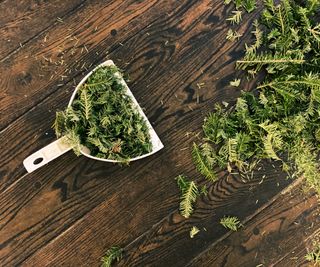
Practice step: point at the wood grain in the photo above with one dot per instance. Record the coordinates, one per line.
(276, 236)
(127, 220)
(34, 126)
(71, 211)
(23, 21)
(169, 244)
(20, 203)
(57, 56)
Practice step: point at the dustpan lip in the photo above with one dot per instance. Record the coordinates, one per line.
(155, 140)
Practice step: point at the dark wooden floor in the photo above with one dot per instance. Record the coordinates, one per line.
(71, 211)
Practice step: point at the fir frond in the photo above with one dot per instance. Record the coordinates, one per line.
(204, 160)
(86, 102)
(313, 255)
(181, 182)
(268, 143)
(188, 199)
(73, 140)
(308, 81)
(315, 32)
(305, 157)
(232, 149)
(189, 193)
(213, 127)
(59, 123)
(233, 35)
(258, 34)
(249, 5)
(231, 222)
(113, 254)
(313, 6)
(251, 60)
(194, 231)
(236, 17)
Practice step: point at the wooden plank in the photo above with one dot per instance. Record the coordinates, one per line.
(167, 243)
(271, 237)
(35, 126)
(21, 21)
(55, 57)
(160, 71)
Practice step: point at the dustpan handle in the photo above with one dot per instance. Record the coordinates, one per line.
(46, 154)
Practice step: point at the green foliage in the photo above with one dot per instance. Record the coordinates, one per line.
(113, 254)
(230, 222)
(233, 35)
(189, 193)
(236, 17)
(313, 256)
(248, 5)
(194, 231)
(103, 119)
(204, 160)
(280, 119)
(258, 34)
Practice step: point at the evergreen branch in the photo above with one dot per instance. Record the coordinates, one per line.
(232, 149)
(59, 123)
(271, 61)
(189, 193)
(112, 254)
(236, 18)
(233, 35)
(249, 5)
(314, 254)
(86, 102)
(307, 80)
(194, 231)
(269, 147)
(231, 222)
(258, 39)
(281, 19)
(204, 160)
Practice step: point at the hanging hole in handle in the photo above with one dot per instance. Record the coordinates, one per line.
(37, 161)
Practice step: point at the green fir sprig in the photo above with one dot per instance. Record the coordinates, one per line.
(230, 222)
(113, 254)
(189, 194)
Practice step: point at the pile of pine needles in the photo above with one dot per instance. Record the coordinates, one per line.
(280, 118)
(103, 119)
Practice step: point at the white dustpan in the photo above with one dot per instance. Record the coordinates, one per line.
(60, 146)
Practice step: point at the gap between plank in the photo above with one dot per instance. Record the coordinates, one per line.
(295, 183)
